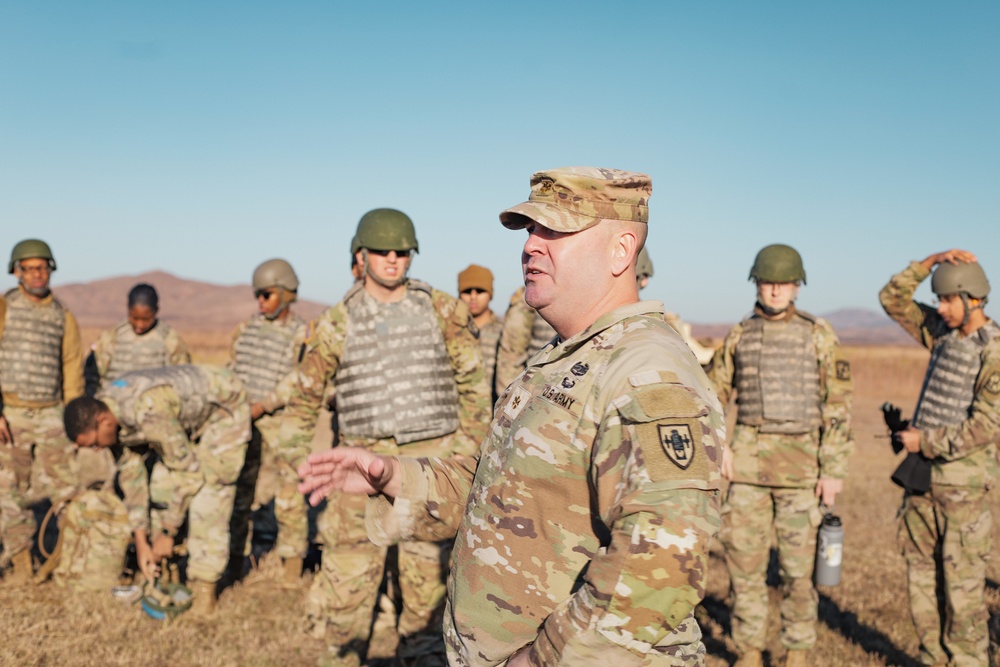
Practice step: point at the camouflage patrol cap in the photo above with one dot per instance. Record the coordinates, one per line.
(958, 278)
(778, 263)
(31, 249)
(571, 199)
(643, 265)
(475, 277)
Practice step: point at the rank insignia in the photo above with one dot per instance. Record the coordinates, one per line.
(677, 443)
(580, 369)
(516, 403)
(843, 370)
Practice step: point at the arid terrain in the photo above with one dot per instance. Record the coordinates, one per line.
(863, 621)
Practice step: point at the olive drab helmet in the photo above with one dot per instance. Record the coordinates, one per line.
(31, 249)
(778, 263)
(275, 273)
(385, 229)
(962, 278)
(643, 265)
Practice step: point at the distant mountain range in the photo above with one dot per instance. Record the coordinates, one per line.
(191, 305)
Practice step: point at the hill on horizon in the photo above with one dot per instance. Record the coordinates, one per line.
(196, 306)
(187, 305)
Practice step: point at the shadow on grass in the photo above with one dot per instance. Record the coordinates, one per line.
(845, 622)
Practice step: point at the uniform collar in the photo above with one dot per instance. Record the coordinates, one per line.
(606, 321)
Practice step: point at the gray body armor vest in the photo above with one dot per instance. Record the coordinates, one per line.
(949, 385)
(31, 349)
(777, 376)
(131, 352)
(265, 354)
(189, 382)
(542, 334)
(395, 378)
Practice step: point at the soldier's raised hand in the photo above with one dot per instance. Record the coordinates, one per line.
(348, 469)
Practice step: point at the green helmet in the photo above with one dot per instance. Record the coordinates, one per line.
(968, 278)
(385, 229)
(778, 263)
(643, 265)
(31, 249)
(275, 273)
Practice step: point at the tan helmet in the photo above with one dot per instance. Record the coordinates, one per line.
(31, 249)
(778, 263)
(968, 278)
(275, 273)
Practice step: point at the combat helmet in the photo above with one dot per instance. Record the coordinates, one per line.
(275, 273)
(385, 229)
(961, 278)
(31, 249)
(643, 265)
(778, 263)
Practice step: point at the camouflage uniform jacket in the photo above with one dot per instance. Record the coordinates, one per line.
(71, 363)
(520, 339)
(157, 419)
(583, 526)
(321, 360)
(792, 460)
(961, 454)
(175, 350)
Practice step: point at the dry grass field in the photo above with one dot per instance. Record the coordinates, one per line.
(864, 621)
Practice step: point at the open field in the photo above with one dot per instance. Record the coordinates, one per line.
(864, 621)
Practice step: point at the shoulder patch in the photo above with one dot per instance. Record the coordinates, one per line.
(993, 383)
(843, 370)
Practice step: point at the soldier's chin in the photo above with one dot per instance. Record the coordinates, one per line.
(388, 284)
(37, 291)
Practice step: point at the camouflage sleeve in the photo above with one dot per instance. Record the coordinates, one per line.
(982, 428)
(515, 337)
(661, 517)
(156, 417)
(72, 360)
(722, 369)
(178, 353)
(918, 319)
(466, 357)
(836, 391)
(319, 363)
(430, 505)
(135, 488)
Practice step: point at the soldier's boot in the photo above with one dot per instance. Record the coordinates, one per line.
(797, 659)
(751, 658)
(293, 572)
(22, 568)
(204, 603)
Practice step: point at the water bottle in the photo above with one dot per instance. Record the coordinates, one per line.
(829, 551)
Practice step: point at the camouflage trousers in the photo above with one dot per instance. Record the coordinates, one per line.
(749, 517)
(341, 603)
(278, 480)
(220, 453)
(946, 537)
(40, 464)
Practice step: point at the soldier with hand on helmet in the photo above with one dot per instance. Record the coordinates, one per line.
(264, 352)
(409, 379)
(945, 534)
(788, 453)
(41, 367)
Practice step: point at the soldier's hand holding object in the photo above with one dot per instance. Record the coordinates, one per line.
(163, 547)
(147, 562)
(910, 437)
(5, 438)
(827, 490)
(348, 469)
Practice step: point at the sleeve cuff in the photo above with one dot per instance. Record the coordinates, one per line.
(389, 522)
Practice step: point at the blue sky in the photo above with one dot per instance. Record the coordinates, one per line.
(202, 138)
